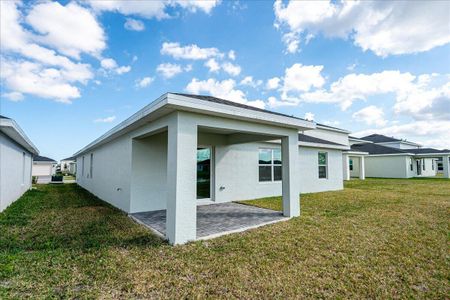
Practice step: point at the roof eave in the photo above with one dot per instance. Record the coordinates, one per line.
(184, 103)
(13, 130)
(319, 145)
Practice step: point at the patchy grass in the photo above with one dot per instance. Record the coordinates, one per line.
(376, 239)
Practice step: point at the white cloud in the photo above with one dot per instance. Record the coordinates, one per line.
(309, 116)
(194, 5)
(300, 78)
(108, 63)
(37, 70)
(144, 82)
(13, 96)
(371, 115)
(273, 83)
(249, 81)
(297, 79)
(231, 69)
(232, 55)
(274, 102)
(193, 51)
(413, 94)
(431, 133)
(70, 29)
(105, 120)
(134, 25)
(225, 89)
(123, 69)
(26, 77)
(386, 27)
(212, 65)
(169, 70)
(145, 9)
(151, 9)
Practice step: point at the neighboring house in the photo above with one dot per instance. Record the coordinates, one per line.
(394, 158)
(68, 165)
(354, 161)
(182, 150)
(43, 169)
(16, 156)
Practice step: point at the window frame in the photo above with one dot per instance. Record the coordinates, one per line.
(272, 165)
(23, 167)
(91, 165)
(82, 166)
(423, 164)
(350, 164)
(322, 165)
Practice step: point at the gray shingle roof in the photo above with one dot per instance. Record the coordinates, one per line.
(427, 150)
(379, 149)
(235, 104)
(43, 158)
(379, 138)
(3, 117)
(309, 139)
(376, 149)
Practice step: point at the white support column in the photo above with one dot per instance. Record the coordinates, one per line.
(446, 167)
(362, 173)
(290, 182)
(346, 167)
(181, 213)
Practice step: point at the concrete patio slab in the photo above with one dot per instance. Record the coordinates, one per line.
(215, 219)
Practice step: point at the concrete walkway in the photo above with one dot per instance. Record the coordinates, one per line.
(216, 219)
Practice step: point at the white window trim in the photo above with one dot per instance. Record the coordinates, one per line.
(82, 166)
(325, 165)
(271, 165)
(91, 165)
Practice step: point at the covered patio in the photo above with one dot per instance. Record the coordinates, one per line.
(206, 152)
(215, 219)
(354, 165)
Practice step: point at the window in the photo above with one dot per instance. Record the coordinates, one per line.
(269, 165)
(82, 166)
(423, 164)
(91, 165)
(411, 164)
(323, 162)
(23, 167)
(351, 165)
(432, 165)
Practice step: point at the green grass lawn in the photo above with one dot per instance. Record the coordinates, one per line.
(376, 239)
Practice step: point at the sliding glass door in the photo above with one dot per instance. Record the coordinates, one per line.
(204, 157)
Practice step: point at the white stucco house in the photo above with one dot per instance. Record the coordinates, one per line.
(43, 169)
(181, 151)
(68, 165)
(16, 156)
(389, 157)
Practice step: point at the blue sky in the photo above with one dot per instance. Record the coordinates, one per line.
(70, 71)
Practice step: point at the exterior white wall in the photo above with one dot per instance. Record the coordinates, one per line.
(309, 171)
(387, 166)
(130, 172)
(42, 169)
(429, 171)
(149, 173)
(329, 135)
(110, 180)
(15, 172)
(356, 166)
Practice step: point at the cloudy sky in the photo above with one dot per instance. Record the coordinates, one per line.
(71, 70)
